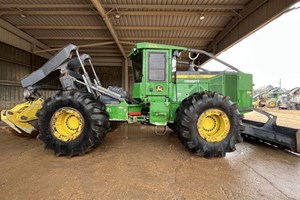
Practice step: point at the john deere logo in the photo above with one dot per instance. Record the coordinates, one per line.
(159, 88)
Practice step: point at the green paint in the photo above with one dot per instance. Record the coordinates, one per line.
(160, 90)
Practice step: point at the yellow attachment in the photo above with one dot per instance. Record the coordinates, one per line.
(213, 125)
(67, 124)
(19, 116)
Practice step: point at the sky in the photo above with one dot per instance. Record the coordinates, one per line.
(271, 54)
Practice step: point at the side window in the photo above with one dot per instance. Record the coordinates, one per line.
(137, 64)
(157, 66)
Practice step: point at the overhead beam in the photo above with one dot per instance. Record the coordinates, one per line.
(89, 46)
(109, 25)
(79, 46)
(90, 51)
(38, 27)
(108, 59)
(36, 44)
(72, 38)
(21, 34)
(128, 6)
(103, 64)
(32, 5)
(180, 7)
(171, 28)
(165, 39)
(49, 12)
(146, 28)
(128, 38)
(176, 13)
(122, 13)
(112, 49)
(106, 55)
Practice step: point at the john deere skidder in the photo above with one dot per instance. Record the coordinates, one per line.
(204, 107)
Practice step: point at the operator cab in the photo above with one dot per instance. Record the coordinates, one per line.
(154, 66)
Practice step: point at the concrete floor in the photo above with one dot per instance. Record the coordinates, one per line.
(145, 166)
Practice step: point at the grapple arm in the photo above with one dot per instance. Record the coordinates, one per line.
(22, 116)
(51, 65)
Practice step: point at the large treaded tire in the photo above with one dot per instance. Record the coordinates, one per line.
(96, 123)
(186, 123)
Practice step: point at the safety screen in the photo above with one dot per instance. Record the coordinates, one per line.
(157, 66)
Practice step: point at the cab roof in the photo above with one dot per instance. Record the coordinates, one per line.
(148, 45)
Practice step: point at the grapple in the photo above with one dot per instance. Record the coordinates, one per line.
(22, 117)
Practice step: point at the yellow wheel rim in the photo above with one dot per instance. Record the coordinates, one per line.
(272, 104)
(213, 125)
(67, 124)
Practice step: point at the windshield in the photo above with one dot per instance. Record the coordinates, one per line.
(137, 64)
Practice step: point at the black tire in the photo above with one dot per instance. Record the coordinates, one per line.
(92, 113)
(186, 122)
(261, 104)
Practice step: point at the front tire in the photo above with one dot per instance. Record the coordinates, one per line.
(209, 124)
(72, 123)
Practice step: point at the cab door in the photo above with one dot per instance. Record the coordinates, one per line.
(157, 74)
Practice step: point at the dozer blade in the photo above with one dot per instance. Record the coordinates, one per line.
(21, 117)
(288, 138)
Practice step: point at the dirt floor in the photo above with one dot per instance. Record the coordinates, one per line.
(141, 165)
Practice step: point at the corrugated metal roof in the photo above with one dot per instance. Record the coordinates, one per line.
(56, 22)
(44, 2)
(16, 20)
(181, 21)
(69, 33)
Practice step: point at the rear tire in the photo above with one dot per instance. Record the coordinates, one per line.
(72, 123)
(209, 124)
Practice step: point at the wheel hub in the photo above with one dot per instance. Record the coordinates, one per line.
(67, 124)
(213, 125)
(272, 104)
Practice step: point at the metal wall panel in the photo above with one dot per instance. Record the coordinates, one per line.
(14, 40)
(14, 65)
(110, 76)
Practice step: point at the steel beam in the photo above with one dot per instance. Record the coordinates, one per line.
(109, 25)
(10, 28)
(79, 46)
(103, 64)
(122, 13)
(126, 78)
(128, 6)
(175, 7)
(175, 13)
(127, 38)
(147, 28)
(72, 38)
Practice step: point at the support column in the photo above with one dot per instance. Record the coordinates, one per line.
(126, 80)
